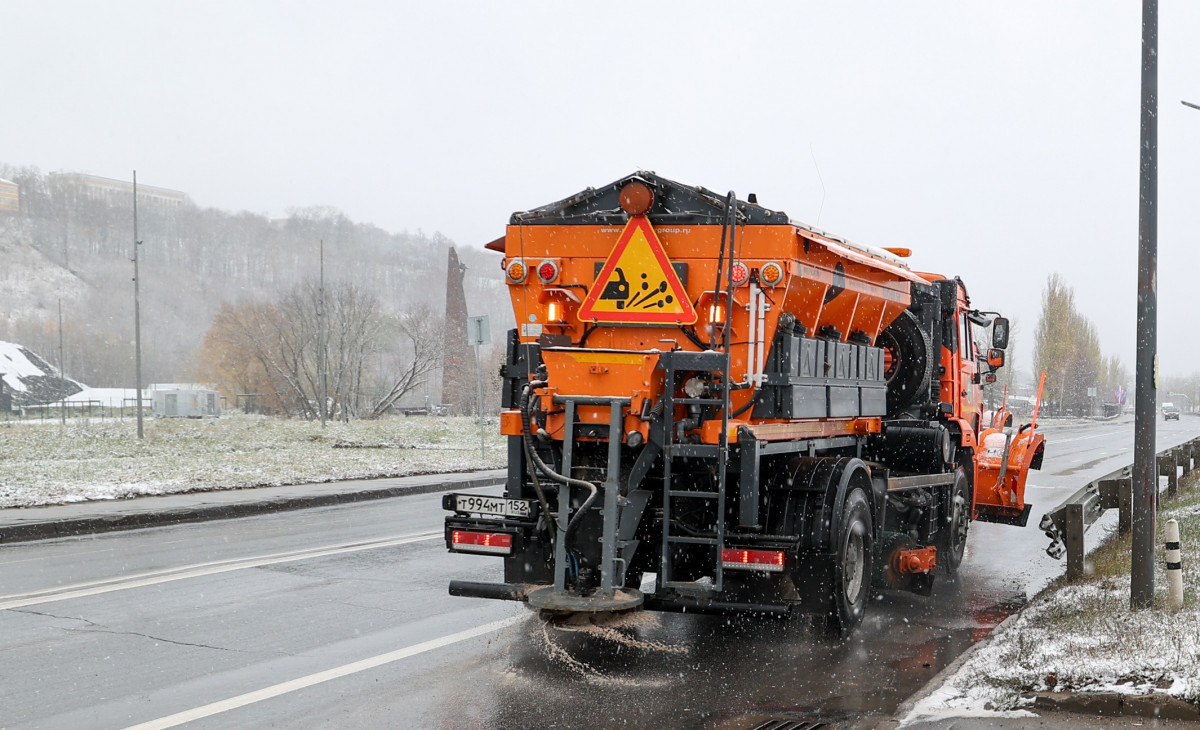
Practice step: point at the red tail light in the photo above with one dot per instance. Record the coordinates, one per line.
(547, 271)
(738, 559)
(497, 543)
(740, 273)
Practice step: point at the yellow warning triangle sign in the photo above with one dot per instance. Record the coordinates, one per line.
(637, 284)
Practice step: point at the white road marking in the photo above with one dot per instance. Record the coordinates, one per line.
(1080, 438)
(138, 580)
(300, 683)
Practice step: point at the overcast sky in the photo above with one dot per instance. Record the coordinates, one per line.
(997, 140)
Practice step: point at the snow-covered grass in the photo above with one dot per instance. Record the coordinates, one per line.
(1081, 635)
(47, 463)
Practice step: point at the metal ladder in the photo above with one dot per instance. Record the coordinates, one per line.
(710, 361)
(673, 494)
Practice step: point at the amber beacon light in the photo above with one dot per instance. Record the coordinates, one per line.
(636, 198)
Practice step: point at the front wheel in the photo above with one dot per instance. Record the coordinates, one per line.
(852, 565)
(954, 544)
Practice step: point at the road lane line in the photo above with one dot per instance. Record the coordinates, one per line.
(199, 570)
(310, 680)
(1081, 438)
(227, 561)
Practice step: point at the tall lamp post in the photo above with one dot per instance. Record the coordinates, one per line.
(137, 311)
(1145, 473)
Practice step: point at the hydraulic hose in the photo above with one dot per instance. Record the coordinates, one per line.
(539, 465)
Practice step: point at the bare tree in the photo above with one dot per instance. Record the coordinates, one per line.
(417, 352)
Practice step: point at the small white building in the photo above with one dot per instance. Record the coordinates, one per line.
(185, 402)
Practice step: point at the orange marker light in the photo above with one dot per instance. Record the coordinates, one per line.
(516, 271)
(771, 274)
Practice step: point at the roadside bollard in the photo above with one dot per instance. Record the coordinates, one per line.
(1174, 567)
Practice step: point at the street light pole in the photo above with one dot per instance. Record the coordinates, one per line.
(1145, 472)
(62, 367)
(322, 346)
(137, 312)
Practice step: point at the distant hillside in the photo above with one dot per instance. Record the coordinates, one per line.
(74, 241)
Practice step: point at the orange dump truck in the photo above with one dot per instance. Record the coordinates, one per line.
(713, 408)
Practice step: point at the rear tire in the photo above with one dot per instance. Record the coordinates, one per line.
(852, 565)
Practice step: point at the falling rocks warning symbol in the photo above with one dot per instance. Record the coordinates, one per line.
(637, 285)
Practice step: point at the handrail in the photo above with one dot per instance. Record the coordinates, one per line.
(1066, 524)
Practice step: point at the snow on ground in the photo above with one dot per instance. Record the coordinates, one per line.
(1082, 637)
(108, 397)
(46, 463)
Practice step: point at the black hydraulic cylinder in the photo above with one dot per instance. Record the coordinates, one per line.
(498, 591)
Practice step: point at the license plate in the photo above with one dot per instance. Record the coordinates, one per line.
(500, 506)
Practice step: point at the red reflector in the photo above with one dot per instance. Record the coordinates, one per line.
(482, 542)
(740, 274)
(768, 560)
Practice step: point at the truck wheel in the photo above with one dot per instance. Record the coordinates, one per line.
(955, 543)
(908, 366)
(852, 565)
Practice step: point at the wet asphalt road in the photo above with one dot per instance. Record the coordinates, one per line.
(338, 617)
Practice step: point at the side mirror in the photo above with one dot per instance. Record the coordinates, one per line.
(995, 358)
(989, 378)
(999, 333)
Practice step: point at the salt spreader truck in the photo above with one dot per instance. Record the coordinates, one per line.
(713, 408)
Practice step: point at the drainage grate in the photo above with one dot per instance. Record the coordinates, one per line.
(779, 724)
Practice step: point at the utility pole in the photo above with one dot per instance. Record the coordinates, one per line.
(1145, 472)
(478, 333)
(321, 347)
(62, 368)
(137, 312)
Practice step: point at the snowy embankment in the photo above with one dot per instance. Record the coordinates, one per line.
(1081, 636)
(46, 463)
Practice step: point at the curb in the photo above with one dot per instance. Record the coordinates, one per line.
(1113, 704)
(204, 513)
(940, 678)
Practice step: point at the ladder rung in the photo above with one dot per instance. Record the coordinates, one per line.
(708, 450)
(701, 495)
(689, 586)
(708, 360)
(693, 540)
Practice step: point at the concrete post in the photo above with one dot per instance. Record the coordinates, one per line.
(1174, 567)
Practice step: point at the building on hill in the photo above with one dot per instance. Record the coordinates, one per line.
(10, 196)
(118, 192)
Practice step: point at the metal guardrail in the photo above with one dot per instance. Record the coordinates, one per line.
(1066, 524)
